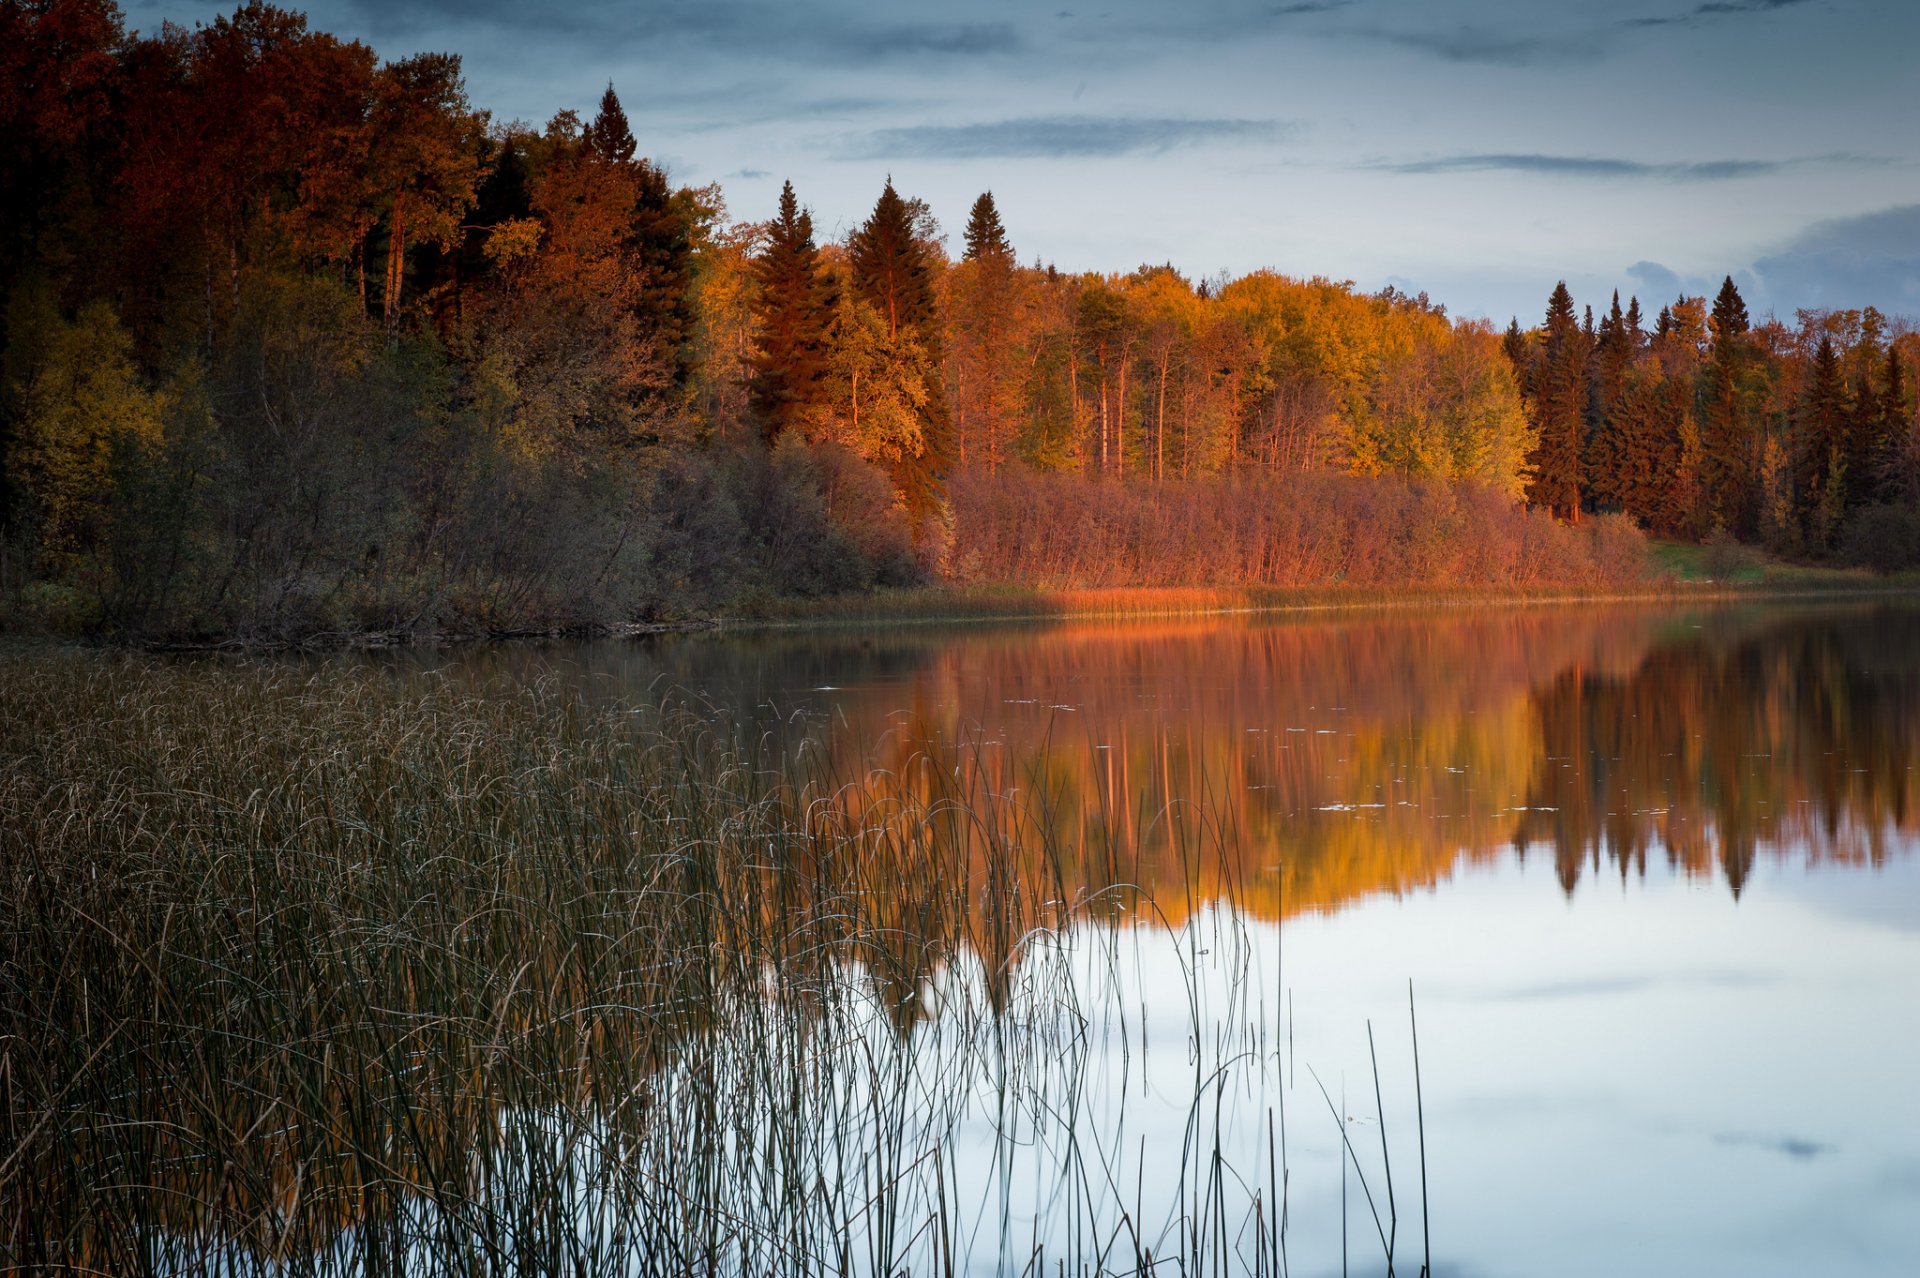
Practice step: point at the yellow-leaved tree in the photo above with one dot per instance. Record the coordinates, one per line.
(83, 414)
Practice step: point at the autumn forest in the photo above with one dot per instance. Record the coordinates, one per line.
(298, 341)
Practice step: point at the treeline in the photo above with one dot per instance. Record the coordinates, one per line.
(298, 340)
(1800, 437)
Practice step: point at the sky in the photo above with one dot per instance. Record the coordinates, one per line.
(1478, 150)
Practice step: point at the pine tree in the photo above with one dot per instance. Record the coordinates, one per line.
(609, 139)
(891, 272)
(1613, 357)
(983, 369)
(795, 312)
(1821, 452)
(1559, 410)
(663, 253)
(1726, 438)
(655, 243)
(1890, 429)
(986, 237)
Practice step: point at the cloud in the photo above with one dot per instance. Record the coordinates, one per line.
(1714, 9)
(749, 175)
(839, 34)
(1656, 279)
(1601, 166)
(1057, 136)
(1869, 259)
(1310, 6)
(1470, 44)
(1798, 1148)
(966, 38)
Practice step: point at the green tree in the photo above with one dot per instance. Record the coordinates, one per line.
(794, 313)
(891, 270)
(1821, 474)
(1727, 432)
(1558, 407)
(985, 236)
(984, 381)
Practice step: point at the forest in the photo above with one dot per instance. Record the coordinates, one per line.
(299, 342)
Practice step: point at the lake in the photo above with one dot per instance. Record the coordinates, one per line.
(1637, 884)
(1651, 874)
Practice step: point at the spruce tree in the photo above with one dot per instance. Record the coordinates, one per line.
(656, 243)
(1613, 357)
(984, 368)
(986, 237)
(609, 139)
(795, 313)
(1821, 448)
(1890, 429)
(1726, 436)
(891, 272)
(1559, 410)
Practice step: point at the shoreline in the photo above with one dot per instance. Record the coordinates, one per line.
(964, 606)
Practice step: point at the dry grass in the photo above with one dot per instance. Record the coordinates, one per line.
(311, 970)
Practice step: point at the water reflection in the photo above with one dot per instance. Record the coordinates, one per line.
(998, 974)
(1355, 756)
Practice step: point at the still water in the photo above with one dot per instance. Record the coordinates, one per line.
(1648, 875)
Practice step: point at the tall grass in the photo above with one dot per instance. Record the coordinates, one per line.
(327, 971)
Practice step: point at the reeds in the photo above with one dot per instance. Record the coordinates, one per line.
(323, 970)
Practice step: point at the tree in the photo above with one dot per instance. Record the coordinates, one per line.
(1559, 410)
(985, 237)
(1822, 446)
(794, 313)
(984, 378)
(1726, 434)
(82, 407)
(426, 151)
(890, 270)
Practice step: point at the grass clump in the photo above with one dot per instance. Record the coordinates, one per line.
(321, 970)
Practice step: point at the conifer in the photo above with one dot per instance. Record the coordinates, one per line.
(1559, 410)
(892, 273)
(795, 311)
(1726, 436)
(1821, 451)
(986, 237)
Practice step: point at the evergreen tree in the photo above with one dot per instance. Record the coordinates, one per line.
(1821, 473)
(609, 139)
(1890, 429)
(1559, 410)
(984, 370)
(1726, 437)
(986, 237)
(892, 273)
(795, 311)
(1613, 358)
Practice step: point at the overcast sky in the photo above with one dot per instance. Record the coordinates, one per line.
(1477, 149)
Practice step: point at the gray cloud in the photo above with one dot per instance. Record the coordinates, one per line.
(1657, 280)
(1715, 9)
(1056, 136)
(1470, 44)
(1870, 259)
(1798, 1148)
(1310, 6)
(1601, 166)
(846, 35)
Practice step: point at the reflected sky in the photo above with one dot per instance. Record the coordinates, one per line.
(1650, 872)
